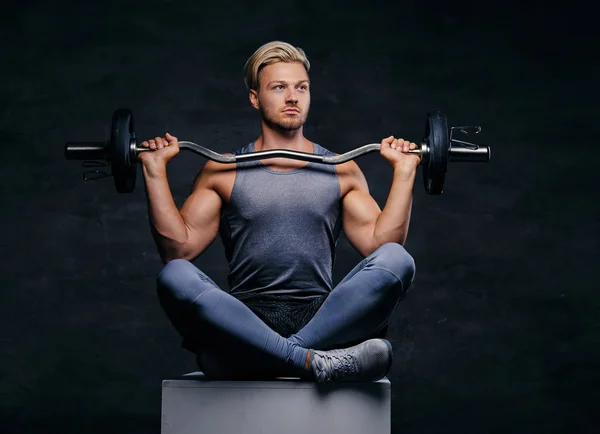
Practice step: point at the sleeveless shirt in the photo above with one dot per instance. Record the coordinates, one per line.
(279, 231)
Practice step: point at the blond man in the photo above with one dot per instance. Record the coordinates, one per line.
(279, 220)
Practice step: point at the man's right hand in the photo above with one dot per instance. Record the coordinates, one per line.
(162, 150)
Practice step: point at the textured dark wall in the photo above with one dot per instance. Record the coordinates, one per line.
(500, 332)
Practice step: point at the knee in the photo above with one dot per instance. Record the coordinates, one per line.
(175, 280)
(396, 259)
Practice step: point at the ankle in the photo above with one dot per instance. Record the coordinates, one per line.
(309, 357)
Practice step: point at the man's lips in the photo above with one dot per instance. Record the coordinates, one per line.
(291, 111)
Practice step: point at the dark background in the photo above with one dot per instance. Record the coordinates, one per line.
(500, 332)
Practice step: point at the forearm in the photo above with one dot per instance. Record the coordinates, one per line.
(393, 222)
(167, 225)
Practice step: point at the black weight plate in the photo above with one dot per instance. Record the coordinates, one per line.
(124, 168)
(436, 136)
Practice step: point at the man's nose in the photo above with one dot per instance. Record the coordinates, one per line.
(292, 96)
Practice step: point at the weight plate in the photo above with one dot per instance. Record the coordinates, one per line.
(436, 137)
(124, 168)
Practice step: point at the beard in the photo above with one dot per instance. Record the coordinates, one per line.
(282, 122)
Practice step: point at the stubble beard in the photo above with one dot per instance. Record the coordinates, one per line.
(281, 122)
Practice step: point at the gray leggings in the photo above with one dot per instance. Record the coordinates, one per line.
(233, 342)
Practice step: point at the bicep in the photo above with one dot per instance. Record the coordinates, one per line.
(201, 213)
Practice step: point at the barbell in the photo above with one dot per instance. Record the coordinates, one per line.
(438, 148)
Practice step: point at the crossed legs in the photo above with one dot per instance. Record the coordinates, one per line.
(232, 342)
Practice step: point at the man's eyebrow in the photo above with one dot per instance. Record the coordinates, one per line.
(283, 81)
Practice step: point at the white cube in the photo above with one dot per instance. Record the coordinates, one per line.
(193, 404)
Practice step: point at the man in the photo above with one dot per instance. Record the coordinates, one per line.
(279, 220)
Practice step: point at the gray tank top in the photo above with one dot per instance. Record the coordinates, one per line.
(279, 231)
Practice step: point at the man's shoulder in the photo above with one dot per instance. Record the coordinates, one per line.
(347, 168)
(243, 149)
(215, 167)
(322, 150)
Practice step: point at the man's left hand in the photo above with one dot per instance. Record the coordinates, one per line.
(395, 151)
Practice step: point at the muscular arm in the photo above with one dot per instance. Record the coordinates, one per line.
(366, 226)
(184, 233)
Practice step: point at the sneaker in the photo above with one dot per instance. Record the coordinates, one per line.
(367, 361)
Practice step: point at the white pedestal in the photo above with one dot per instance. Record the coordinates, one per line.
(193, 404)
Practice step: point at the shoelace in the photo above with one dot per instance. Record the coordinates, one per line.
(339, 364)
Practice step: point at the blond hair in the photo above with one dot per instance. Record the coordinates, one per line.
(269, 53)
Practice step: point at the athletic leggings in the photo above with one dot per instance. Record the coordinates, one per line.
(233, 342)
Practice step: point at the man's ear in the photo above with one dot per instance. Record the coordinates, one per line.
(253, 95)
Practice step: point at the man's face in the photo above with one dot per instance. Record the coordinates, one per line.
(283, 97)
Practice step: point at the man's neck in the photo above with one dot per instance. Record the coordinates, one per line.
(273, 139)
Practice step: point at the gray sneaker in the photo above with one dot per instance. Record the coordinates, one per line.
(368, 361)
